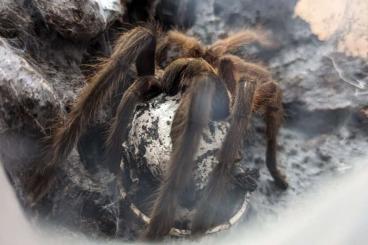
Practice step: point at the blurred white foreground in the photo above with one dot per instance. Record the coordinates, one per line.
(335, 213)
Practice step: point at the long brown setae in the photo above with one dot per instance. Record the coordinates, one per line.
(238, 39)
(141, 90)
(191, 117)
(206, 77)
(209, 210)
(112, 72)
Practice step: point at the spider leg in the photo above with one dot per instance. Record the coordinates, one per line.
(177, 45)
(268, 100)
(178, 75)
(243, 178)
(112, 72)
(226, 72)
(191, 117)
(145, 87)
(239, 39)
(141, 90)
(209, 210)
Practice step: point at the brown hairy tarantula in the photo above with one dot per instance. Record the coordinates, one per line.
(214, 86)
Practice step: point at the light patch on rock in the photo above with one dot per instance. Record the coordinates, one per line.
(110, 9)
(150, 143)
(23, 86)
(344, 22)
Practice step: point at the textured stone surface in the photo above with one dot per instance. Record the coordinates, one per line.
(13, 18)
(24, 91)
(324, 94)
(79, 20)
(324, 97)
(151, 131)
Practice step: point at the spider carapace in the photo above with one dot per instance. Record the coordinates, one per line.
(213, 84)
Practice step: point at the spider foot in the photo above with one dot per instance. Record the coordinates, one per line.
(280, 182)
(245, 179)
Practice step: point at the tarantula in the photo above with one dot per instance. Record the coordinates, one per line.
(213, 85)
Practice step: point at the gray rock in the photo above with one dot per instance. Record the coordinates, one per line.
(111, 10)
(26, 97)
(324, 94)
(79, 20)
(14, 20)
(310, 72)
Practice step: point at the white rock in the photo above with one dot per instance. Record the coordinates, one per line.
(23, 90)
(110, 9)
(150, 143)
